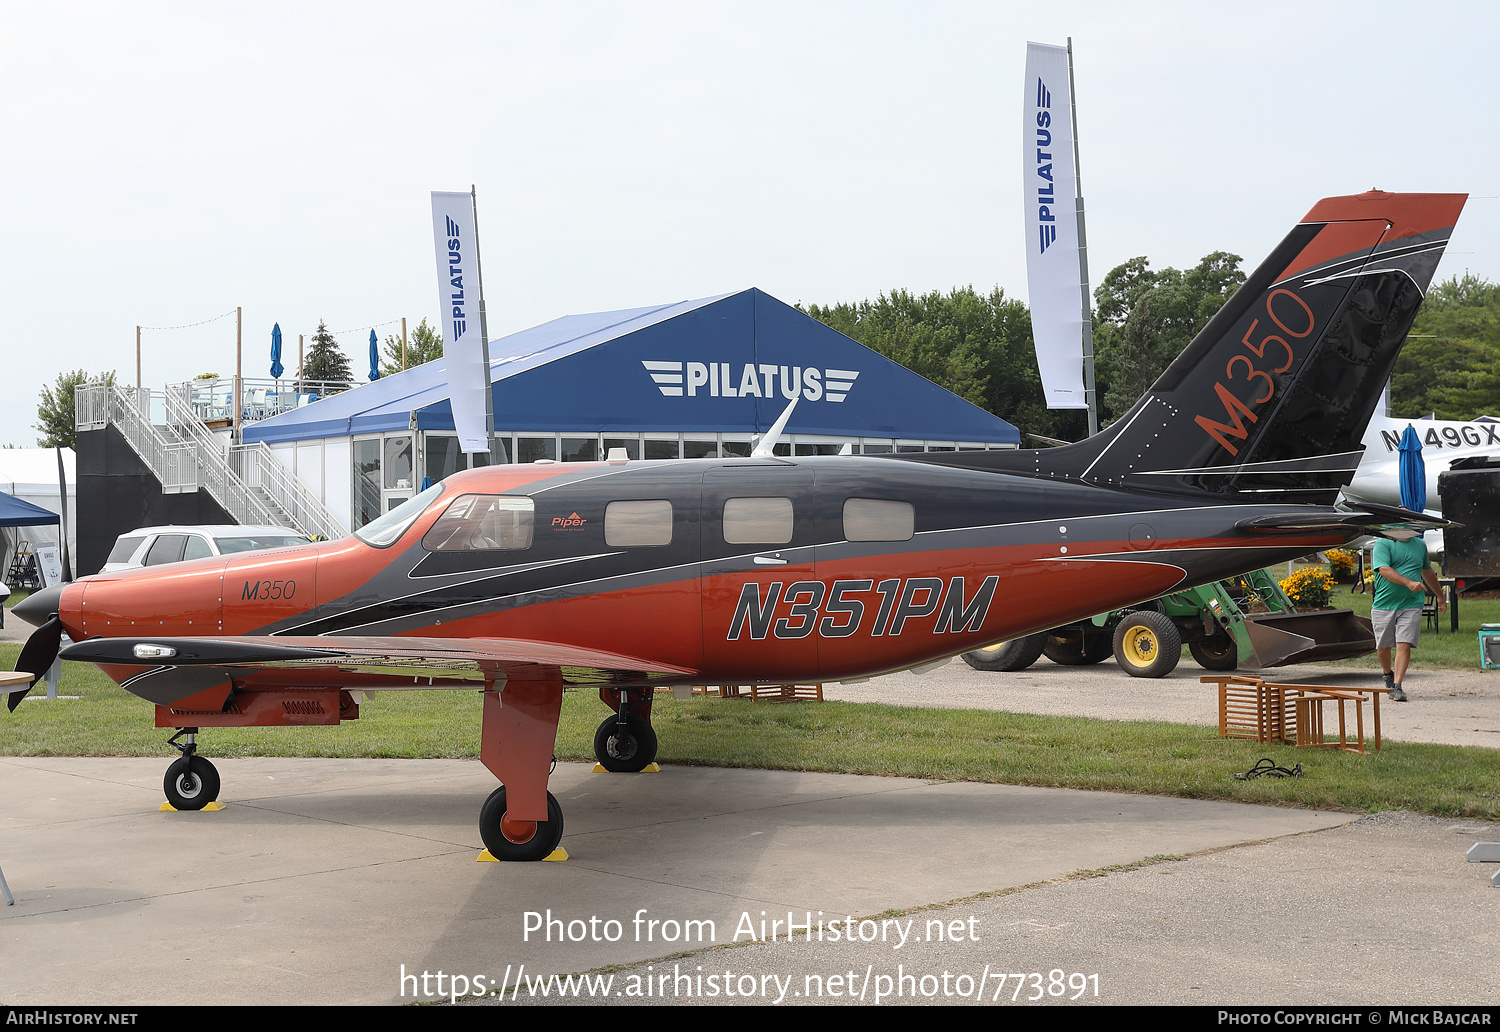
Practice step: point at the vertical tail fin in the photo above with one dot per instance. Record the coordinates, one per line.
(1272, 397)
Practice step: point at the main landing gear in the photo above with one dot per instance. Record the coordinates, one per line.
(508, 838)
(191, 782)
(625, 742)
(521, 820)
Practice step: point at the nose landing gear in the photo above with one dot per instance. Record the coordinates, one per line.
(191, 782)
(625, 742)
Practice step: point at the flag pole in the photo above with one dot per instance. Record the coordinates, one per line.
(1089, 393)
(484, 332)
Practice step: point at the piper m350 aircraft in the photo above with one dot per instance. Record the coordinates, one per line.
(519, 581)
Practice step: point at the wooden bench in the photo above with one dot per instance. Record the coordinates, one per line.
(1266, 711)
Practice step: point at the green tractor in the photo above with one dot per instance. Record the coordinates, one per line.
(1214, 621)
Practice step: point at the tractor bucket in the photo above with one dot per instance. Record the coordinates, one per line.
(1280, 639)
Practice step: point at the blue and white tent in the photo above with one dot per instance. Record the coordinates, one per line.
(727, 364)
(688, 380)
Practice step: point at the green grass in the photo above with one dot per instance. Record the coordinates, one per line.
(948, 745)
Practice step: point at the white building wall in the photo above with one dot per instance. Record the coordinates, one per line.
(338, 483)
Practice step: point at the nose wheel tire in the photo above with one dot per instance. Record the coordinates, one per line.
(191, 783)
(1147, 644)
(626, 750)
(514, 840)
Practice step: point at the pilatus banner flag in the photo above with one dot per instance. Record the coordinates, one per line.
(1052, 269)
(458, 305)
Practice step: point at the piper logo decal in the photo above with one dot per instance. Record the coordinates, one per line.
(572, 522)
(766, 380)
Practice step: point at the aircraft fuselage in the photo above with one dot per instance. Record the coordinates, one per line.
(817, 568)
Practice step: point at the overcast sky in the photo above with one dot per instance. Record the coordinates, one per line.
(165, 163)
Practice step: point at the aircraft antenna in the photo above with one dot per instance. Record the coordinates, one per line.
(767, 447)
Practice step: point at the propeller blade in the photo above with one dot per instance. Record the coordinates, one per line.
(37, 657)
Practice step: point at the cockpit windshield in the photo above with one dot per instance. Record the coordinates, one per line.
(386, 530)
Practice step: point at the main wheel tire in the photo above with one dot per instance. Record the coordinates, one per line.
(1147, 644)
(191, 783)
(626, 752)
(1078, 648)
(537, 839)
(1016, 654)
(1217, 653)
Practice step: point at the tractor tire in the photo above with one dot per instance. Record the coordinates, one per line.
(1147, 644)
(1016, 654)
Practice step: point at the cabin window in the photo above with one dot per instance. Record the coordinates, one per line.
(875, 519)
(758, 521)
(638, 523)
(482, 522)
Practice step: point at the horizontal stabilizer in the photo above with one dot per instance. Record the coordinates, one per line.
(1369, 517)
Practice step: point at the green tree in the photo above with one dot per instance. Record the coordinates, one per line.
(976, 345)
(1143, 320)
(423, 345)
(325, 361)
(1450, 364)
(55, 410)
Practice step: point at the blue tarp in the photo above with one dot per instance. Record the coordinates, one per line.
(16, 513)
(728, 364)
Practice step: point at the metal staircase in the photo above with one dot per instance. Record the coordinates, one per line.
(247, 480)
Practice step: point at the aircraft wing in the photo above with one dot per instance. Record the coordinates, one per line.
(171, 669)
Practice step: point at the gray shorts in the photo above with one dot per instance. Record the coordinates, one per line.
(1395, 625)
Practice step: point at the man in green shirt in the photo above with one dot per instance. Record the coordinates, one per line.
(1403, 575)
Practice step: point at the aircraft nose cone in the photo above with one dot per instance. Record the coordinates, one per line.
(36, 609)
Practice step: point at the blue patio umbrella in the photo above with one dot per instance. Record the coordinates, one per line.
(1411, 471)
(374, 357)
(276, 367)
